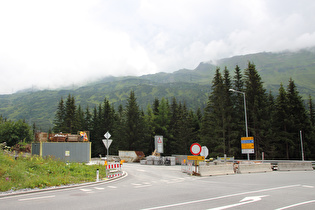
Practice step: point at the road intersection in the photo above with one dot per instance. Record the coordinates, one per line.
(166, 187)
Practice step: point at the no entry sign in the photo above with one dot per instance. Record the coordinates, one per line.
(195, 149)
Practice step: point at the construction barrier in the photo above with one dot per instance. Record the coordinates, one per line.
(295, 166)
(113, 170)
(211, 170)
(254, 168)
(187, 167)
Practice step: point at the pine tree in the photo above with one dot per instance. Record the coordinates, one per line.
(184, 138)
(281, 122)
(70, 114)
(87, 120)
(173, 127)
(98, 147)
(311, 111)
(119, 131)
(311, 140)
(150, 127)
(237, 115)
(79, 119)
(156, 105)
(212, 124)
(299, 121)
(256, 101)
(228, 124)
(133, 122)
(59, 121)
(270, 150)
(162, 121)
(107, 117)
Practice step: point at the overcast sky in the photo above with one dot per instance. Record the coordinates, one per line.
(46, 44)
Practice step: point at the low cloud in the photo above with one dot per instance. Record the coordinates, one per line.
(49, 44)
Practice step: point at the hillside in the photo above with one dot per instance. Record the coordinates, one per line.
(191, 86)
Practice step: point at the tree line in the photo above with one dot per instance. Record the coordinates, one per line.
(275, 122)
(13, 132)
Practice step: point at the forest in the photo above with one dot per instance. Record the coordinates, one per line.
(275, 122)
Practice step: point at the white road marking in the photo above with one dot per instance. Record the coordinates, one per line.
(86, 190)
(244, 201)
(99, 188)
(141, 186)
(307, 186)
(37, 198)
(113, 187)
(297, 204)
(221, 197)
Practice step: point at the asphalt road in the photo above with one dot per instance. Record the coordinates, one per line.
(166, 187)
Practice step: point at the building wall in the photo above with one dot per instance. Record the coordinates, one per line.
(66, 151)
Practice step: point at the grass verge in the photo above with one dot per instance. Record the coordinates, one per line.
(37, 172)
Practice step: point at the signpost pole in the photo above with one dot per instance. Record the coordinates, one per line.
(244, 113)
(107, 150)
(107, 136)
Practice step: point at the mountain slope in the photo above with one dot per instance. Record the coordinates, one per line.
(191, 86)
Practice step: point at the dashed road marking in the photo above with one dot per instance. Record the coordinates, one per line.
(113, 187)
(37, 198)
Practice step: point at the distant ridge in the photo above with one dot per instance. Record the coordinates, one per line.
(191, 86)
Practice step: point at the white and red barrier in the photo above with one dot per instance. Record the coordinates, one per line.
(113, 166)
(113, 170)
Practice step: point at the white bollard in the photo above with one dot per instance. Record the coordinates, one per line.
(97, 175)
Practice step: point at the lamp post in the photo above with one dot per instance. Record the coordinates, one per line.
(232, 90)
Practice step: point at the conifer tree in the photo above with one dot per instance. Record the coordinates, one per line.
(133, 122)
(107, 117)
(298, 121)
(162, 121)
(237, 113)
(150, 127)
(119, 131)
(184, 137)
(173, 126)
(87, 120)
(281, 121)
(98, 147)
(256, 101)
(59, 121)
(311, 111)
(227, 120)
(70, 114)
(79, 119)
(212, 124)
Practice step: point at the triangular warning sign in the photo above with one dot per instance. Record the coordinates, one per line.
(107, 142)
(159, 140)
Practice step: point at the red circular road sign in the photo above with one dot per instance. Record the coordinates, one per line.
(195, 149)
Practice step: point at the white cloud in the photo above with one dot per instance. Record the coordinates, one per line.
(52, 43)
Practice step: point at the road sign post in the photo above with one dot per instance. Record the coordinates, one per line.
(247, 145)
(107, 142)
(159, 144)
(204, 151)
(195, 149)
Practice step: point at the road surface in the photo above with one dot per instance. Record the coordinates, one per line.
(166, 187)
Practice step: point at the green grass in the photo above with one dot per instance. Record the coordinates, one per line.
(37, 172)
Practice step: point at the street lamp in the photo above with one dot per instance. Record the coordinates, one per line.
(232, 90)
